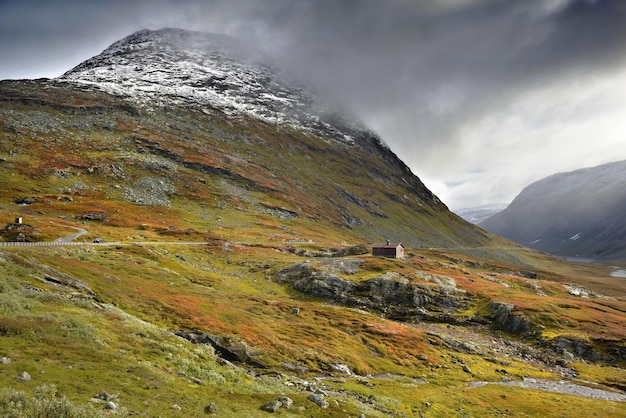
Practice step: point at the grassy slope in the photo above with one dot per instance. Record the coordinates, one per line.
(119, 341)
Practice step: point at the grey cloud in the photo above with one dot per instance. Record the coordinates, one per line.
(435, 71)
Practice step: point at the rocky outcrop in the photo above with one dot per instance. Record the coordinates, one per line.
(397, 296)
(19, 232)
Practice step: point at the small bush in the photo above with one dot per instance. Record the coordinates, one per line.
(46, 403)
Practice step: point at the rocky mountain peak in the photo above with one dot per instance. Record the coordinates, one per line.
(211, 71)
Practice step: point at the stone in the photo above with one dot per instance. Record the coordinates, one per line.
(285, 401)
(318, 399)
(272, 406)
(508, 321)
(176, 407)
(295, 311)
(111, 406)
(104, 396)
(5, 360)
(342, 368)
(277, 403)
(196, 381)
(466, 369)
(210, 408)
(24, 377)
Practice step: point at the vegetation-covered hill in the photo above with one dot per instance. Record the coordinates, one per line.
(232, 276)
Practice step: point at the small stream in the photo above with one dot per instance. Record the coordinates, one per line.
(559, 386)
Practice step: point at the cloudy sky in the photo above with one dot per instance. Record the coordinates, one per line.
(479, 97)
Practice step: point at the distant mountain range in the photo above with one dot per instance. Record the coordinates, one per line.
(478, 214)
(575, 214)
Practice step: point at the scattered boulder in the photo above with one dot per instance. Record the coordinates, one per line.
(24, 377)
(176, 407)
(285, 401)
(196, 381)
(318, 399)
(210, 408)
(272, 406)
(342, 368)
(508, 321)
(112, 406)
(94, 216)
(104, 396)
(295, 311)
(25, 200)
(5, 360)
(150, 191)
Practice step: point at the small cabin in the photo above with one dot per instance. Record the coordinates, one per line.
(19, 220)
(389, 249)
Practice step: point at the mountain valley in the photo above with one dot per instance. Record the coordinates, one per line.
(578, 214)
(222, 264)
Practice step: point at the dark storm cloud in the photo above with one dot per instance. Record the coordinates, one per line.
(424, 73)
(398, 56)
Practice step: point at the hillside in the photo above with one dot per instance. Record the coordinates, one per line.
(575, 214)
(195, 239)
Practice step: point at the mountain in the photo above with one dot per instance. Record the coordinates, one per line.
(478, 214)
(575, 214)
(211, 71)
(186, 230)
(294, 134)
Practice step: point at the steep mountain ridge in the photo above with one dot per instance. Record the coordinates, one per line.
(577, 214)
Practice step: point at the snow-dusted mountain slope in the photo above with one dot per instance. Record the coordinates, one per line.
(212, 71)
(579, 213)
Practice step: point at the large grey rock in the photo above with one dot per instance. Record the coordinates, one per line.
(318, 399)
(272, 406)
(507, 320)
(24, 377)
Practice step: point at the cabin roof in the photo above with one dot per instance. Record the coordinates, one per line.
(388, 244)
